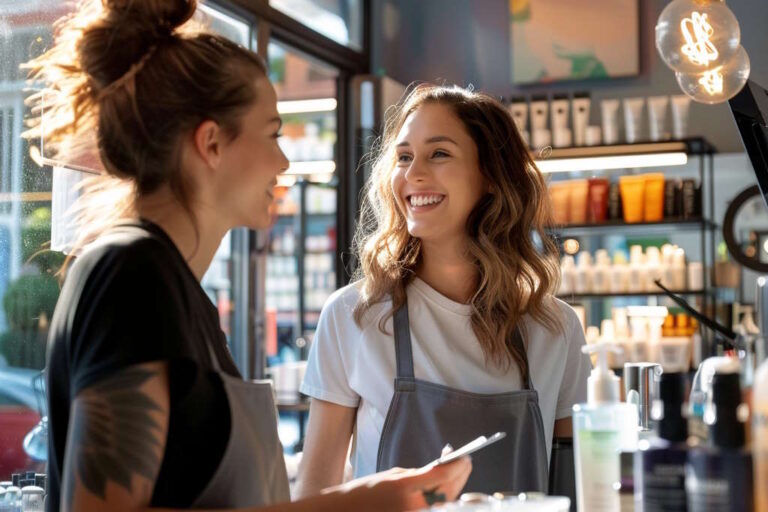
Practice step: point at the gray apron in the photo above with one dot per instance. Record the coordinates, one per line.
(424, 416)
(252, 471)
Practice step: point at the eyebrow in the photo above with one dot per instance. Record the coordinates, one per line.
(432, 140)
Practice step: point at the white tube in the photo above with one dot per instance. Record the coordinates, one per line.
(608, 110)
(519, 111)
(680, 107)
(539, 111)
(580, 107)
(657, 117)
(559, 114)
(633, 119)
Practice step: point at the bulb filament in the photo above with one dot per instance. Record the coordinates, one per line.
(697, 33)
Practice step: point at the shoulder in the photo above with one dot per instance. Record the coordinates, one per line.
(569, 327)
(340, 307)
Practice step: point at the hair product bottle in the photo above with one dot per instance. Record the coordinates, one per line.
(602, 428)
(718, 477)
(661, 475)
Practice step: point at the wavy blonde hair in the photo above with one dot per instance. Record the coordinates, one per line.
(518, 274)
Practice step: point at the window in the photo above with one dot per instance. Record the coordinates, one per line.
(29, 287)
(340, 20)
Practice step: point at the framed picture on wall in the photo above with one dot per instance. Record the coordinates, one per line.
(556, 40)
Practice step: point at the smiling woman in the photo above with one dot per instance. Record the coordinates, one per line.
(455, 202)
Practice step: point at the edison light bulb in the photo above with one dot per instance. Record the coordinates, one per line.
(718, 84)
(693, 36)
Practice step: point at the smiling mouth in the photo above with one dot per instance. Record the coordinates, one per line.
(422, 201)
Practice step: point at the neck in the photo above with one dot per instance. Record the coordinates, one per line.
(196, 239)
(447, 268)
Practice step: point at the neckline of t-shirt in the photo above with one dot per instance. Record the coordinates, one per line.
(439, 299)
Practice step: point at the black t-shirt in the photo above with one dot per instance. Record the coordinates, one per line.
(131, 299)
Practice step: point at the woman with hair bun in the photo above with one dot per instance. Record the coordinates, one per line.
(452, 329)
(146, 407)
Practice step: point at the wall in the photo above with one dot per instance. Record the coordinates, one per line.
(467, 42)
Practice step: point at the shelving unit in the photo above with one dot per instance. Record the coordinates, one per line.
(621, 158)
(297, 309)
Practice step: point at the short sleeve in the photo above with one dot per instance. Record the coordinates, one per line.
(327, 376)
(573, 387)
(131, 311)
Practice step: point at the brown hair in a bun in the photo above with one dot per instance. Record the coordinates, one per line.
(136, 75)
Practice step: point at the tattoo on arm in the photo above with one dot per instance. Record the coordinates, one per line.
(114, 435)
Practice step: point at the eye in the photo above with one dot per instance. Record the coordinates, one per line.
(439, 153)
(403, 158)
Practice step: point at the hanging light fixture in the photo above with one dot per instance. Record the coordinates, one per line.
(701, 41)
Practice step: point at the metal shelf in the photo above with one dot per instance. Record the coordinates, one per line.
(612, 226)
(691, 146)
(600, 296)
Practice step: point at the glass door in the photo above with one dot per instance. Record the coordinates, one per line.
(301, 267)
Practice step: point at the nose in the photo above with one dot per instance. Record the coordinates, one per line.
(284, 163)
(416, 172)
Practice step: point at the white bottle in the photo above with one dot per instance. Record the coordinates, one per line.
(679, 270)
(584, 271)
(637, 270)
(601, 277)
(653, 266)
(619, 274)
(567, 275)
(602, 428)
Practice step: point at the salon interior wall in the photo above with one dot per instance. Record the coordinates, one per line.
(466, 42)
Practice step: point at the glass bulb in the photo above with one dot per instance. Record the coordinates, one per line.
(719, 84)
(693, 36)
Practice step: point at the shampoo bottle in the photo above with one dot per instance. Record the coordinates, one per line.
(661, 475)
(603, 427)
(718, 477)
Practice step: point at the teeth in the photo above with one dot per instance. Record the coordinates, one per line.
(425, 200)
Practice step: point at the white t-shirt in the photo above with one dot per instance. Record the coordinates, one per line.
(355, 367)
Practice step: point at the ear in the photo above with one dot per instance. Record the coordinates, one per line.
(208, 139)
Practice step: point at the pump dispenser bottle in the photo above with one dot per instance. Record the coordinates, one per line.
(718, 478)
(661, 475)
(603, 427)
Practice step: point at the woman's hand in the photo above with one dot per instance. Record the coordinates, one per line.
(407, 489)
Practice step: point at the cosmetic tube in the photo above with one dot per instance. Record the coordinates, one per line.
(654, 198)
(539, 111)
(559, 193)
(597, 208)
(615, 210)
(657, 117)
(580, 109)
(579, 190)
(633, 119)
(559, 112)
(518, 108)
(609, 110)
(632, 197)
(680, 107)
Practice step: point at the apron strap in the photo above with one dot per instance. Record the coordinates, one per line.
(517, 342)
(403, 354)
